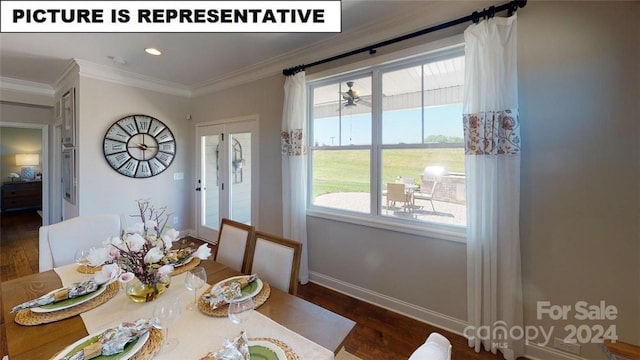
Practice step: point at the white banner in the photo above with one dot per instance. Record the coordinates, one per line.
(171, 16)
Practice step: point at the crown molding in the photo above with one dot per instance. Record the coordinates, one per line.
(106, 73)
(402, 23)
(27, 87)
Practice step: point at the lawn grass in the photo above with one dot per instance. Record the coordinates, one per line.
(349, 170)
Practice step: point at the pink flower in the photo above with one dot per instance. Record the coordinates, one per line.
(125, 277)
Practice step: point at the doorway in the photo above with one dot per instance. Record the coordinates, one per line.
(227, 168)
(44, 162)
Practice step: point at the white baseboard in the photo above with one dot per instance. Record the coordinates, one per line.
(442, 321)
(430, 317)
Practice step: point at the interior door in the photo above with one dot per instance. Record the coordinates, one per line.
(226, 183)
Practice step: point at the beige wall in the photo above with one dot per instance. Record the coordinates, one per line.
(100, 188)
(263, 97)
(579, 75)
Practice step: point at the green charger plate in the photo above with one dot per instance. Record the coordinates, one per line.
(129, 350)
(64, 304)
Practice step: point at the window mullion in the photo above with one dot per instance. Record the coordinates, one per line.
(376, 140)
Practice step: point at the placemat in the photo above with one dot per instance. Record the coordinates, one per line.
(289, 353)
(186, 267)
(30, 318)
(151, 347)
(223, 311)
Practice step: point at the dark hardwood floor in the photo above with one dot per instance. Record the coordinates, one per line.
(378, 334)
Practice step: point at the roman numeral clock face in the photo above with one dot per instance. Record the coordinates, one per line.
(139, 146)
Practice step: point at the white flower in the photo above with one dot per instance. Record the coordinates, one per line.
(169, 237)
(172, 234)
(125, 277)
(203, 252)
(98, 256)
(153, 255)
(165, 270)
(107, 274)
(115, 241)
(134, 242)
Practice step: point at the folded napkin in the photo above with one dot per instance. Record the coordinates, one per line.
(238, 349)
(107, 274)
(227, 291)
(111, 341)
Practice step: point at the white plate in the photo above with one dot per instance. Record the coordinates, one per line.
(65, 304)
(250, 290)
(271, 346)
(128, 352)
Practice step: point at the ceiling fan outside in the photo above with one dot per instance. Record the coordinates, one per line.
(350, 96)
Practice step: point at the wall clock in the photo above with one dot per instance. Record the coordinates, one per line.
(139, 146)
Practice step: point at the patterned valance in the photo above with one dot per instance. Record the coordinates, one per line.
(292, 142)
(492, 133)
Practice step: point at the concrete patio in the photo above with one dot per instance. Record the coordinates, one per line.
(445, 212)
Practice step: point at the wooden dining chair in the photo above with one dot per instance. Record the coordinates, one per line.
(234, 244)
(276, 260)
(59, 242)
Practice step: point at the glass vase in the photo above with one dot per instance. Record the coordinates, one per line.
(141, 292)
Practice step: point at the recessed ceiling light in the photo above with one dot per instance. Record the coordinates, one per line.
(153, 51)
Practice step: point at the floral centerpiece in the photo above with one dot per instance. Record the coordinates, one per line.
(145, 253)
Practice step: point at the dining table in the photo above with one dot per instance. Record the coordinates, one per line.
(306, 326)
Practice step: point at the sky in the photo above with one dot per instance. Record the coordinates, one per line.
(399, 126)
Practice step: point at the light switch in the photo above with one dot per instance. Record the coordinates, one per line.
(178, 176)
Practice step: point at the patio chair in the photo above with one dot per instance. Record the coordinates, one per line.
(424, 195)
(397, 192)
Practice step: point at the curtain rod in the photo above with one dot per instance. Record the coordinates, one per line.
(475, 17)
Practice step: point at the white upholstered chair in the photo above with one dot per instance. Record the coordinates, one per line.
(437, 347)
(59, 242)
(277, 261)
(234, 243)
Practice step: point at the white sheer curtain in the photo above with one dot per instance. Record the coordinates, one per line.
(492, 148)
(294, 166)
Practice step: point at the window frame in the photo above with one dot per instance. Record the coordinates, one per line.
(375, 217)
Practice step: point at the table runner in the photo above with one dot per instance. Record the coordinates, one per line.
(198, 334)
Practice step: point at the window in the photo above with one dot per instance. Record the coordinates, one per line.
(386, 144)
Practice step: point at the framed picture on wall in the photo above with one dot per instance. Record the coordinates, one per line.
(68, 175)
(68, 118)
